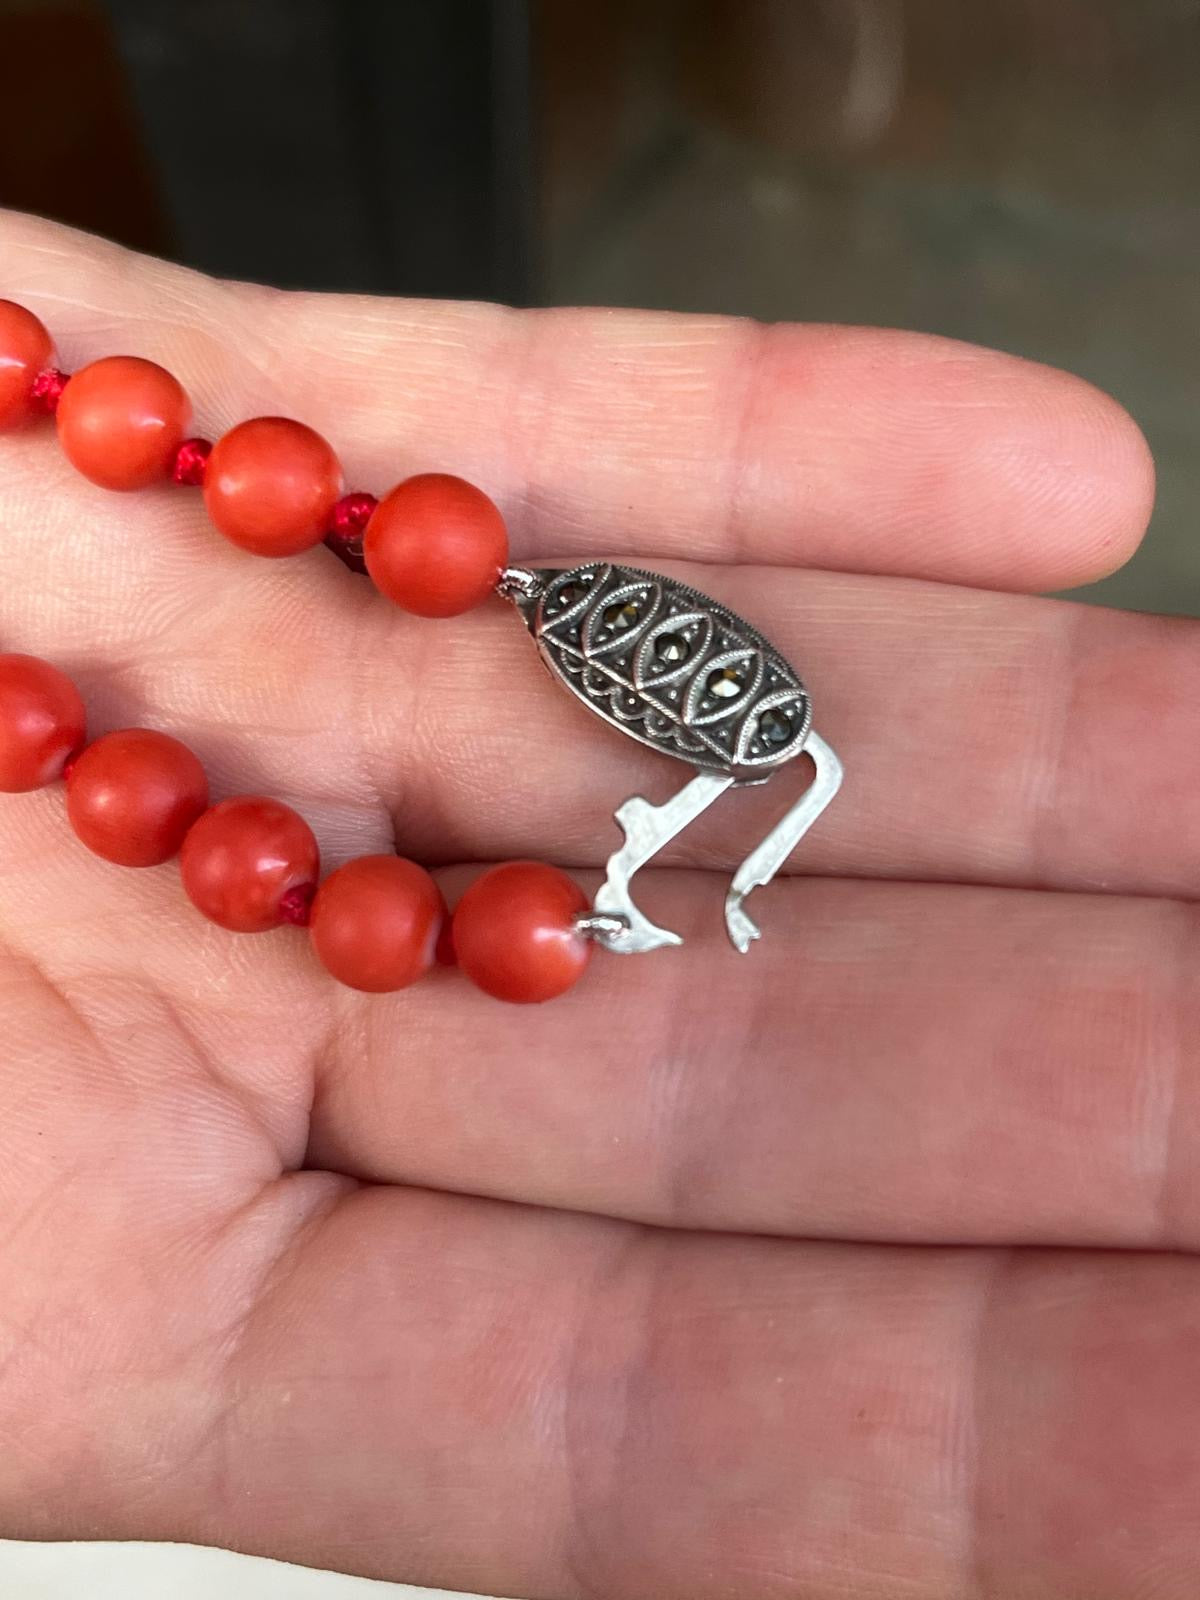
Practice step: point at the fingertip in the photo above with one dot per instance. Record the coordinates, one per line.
(1066, 478)
(851, 449)
(876, 451)
(1116, 489)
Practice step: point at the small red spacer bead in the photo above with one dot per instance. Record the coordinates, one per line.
(70, 764)
(47, 389)
(296, 905)
(352, 513)
(347, 526)
(191, 461)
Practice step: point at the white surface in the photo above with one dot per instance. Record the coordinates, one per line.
(150, 1571)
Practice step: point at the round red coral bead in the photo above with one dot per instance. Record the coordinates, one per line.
(375, 923)
(25, 350)
(121, 421)
(243, 857)
(514, 932)
(270, 486)
(436, 545)
(42, 723)
(133, 795)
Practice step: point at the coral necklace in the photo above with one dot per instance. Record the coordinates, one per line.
(662, 663)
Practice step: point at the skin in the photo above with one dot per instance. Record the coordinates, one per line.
(859, 1268)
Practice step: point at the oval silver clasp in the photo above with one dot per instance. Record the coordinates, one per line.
(683, 674)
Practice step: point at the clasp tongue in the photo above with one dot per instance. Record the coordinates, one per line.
(647, 828)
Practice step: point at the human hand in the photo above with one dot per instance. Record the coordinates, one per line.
(699, 1281)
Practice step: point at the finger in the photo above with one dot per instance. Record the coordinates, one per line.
(455, 1392)
(893, 1062)
(985, 737)
(699, 437)
(898, 1062)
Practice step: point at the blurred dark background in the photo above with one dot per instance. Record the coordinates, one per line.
(1023, 173)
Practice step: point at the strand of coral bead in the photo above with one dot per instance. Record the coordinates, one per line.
(435, 545)
(138, 797)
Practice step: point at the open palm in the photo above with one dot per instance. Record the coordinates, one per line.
(700, 1281)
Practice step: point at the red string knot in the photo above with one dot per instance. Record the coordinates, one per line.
(191, 462)
(48, 387)
(296, 905)
(347, 525)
